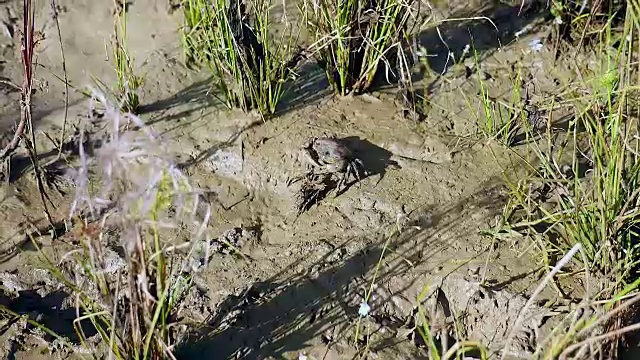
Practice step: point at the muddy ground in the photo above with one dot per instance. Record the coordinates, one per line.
(300, 288)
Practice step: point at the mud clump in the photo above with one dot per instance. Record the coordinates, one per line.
(235, 238)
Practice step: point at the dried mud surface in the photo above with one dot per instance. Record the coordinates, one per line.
(300, 290)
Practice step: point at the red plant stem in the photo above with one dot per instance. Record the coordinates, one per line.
(27, 47)
(27, 69)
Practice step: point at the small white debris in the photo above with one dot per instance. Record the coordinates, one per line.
(364, 309)
(302, 356)
(402, 220)
(536, 45)
(558, 20)
(113, 262)
(465, 50)
(522, 31)
(10, 283)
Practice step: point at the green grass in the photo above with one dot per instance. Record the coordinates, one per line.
(354, 37)
(133, 307)
(597, 209)
(580, 23)
(250, 67)
(583, 225)
(128, 82)
(500, 120)
(594, 214)
(582, 187)
(457, 350)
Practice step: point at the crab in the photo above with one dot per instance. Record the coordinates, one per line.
(330, 156)
(332, 163)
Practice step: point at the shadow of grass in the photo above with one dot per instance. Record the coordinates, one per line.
(486, 29)
(308, 89)
(286, 312)
(47, 311)
(196, 95)
(443, 43)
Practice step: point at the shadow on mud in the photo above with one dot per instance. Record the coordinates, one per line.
(192, 99)
(308, 89)
(287, 312)
(207, 153)
(375, 159)
(46, 311)
(21, 164)
(486, 29)
(490, 28)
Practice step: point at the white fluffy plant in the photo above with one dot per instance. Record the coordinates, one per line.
(138, 198)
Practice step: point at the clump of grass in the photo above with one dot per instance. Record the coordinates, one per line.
(501, 120)
(127, 82)
(586, 331)
(140, 199)
(580, 22)
(232, 40)
(353, 37)
(582, 189)
(590, 330)
(596, 207)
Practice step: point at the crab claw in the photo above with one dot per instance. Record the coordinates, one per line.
(309, 157)
(309, 143)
